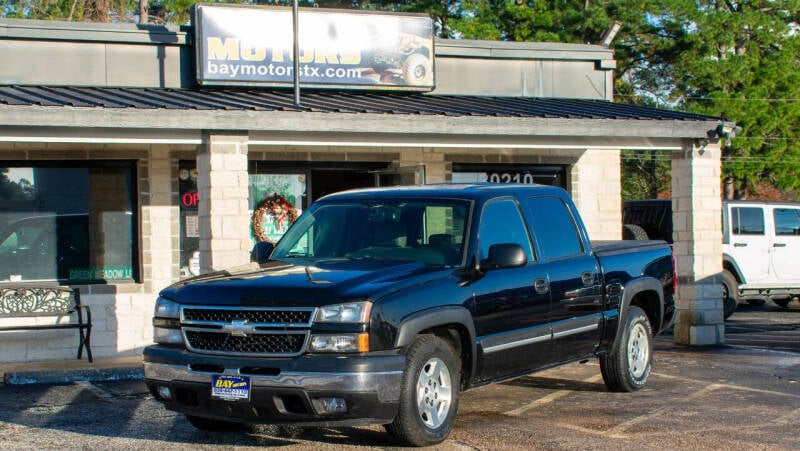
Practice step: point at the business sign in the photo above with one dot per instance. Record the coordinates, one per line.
(246, 45)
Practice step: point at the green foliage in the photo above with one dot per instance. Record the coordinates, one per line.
(737, 60)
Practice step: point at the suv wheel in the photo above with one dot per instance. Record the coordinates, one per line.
(429, 392)
(730, 293)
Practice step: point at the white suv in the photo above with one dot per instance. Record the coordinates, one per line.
(760, 246)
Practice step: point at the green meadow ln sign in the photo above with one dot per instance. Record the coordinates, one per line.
(245, 45)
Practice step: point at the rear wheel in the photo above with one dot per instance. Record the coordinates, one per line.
(429, 393)
(730, 293)
(627, 366)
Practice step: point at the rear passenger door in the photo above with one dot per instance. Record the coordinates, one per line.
(576, 304)
(786, 243)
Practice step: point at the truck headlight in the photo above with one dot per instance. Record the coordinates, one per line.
(351, 312)
(339, 343)
(166, 322)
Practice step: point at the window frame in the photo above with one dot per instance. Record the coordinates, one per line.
(531, 252)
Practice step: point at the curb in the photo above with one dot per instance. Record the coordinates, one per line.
(67, 376)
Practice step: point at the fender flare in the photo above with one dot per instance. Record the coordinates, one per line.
(737, 272)
(416, 323)
(630, 290)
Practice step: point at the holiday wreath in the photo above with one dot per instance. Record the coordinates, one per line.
(281, 211)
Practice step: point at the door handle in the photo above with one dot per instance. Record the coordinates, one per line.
(541, 286)
(739, 244)
(779, 245)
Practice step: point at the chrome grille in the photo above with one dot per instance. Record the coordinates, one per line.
(246, 331)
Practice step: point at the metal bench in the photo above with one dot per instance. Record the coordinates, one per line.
(27, 301)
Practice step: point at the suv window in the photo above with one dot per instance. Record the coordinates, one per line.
(747, 220)
(501, 222)
(787, 221)
(554, 227)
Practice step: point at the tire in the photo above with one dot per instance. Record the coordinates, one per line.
(782, 303)
(207, 424)
(633, 232)
(429, 393)
(730, 293)
(626, 368)
(417, 70)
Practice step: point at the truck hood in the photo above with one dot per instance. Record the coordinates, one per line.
(301, 283)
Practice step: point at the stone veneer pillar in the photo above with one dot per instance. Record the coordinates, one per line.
(697, 232)
(595, 187)
(222, 185)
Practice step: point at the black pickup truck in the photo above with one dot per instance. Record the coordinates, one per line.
(380, 306)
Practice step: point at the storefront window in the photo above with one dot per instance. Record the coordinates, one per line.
(67, 223)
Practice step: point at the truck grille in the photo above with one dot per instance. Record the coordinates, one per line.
(299, 317)
(246, 331)
(257, 344)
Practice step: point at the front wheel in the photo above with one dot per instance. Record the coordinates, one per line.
(627, 366)
(429, 393)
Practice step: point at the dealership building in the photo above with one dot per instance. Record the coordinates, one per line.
(144, 150)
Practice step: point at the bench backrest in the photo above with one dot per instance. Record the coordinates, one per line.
(38, 301)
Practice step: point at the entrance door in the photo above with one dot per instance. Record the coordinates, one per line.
(406, 175)
(329, 181)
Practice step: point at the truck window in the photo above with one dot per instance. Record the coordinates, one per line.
(747, 220)
(501, 222)
(554, 227)
(787, 221)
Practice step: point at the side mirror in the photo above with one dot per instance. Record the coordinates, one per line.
(505, 255)
(261, 251)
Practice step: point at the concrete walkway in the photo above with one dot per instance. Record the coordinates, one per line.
(63, 371)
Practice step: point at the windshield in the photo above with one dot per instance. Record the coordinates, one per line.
(426, 231)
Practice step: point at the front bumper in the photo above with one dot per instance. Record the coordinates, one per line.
(282, 390)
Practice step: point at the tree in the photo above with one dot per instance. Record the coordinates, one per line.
(737, 60)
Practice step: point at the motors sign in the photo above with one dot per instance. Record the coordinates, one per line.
(254, 46)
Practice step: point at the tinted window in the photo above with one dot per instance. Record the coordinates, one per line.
(501, 222)
(67, 223)
(554, 227)
(787, 221)
(427, 231)
(747, 220)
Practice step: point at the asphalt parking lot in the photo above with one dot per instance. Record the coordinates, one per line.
(745, 395)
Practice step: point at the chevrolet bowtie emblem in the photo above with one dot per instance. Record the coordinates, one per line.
(239, 328)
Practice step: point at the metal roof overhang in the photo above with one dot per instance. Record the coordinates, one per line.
(349, 119)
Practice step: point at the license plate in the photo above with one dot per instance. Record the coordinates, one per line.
(230, 388)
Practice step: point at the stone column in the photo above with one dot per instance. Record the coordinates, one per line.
(222, 186)
(595, 187)
(160, 239)
(697, 232)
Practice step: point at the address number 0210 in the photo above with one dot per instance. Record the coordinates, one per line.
(505, 177)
